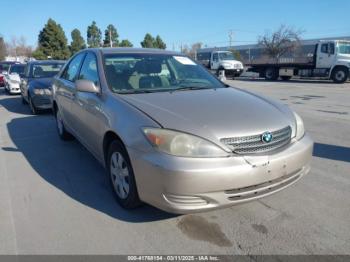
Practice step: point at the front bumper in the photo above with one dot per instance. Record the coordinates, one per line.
(187, 185)
(233, 72)
(42, 101)
(14, 88)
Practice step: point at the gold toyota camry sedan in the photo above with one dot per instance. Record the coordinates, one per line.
(172, 135)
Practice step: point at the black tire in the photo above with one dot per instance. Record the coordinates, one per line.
(132, 199)
(62, 132)
(34, 110)
(340, 75)
(271, 74)
(286, 78)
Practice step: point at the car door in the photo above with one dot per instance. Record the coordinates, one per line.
(86, 107)
(215, 61)
(65, 90)
(326, 55)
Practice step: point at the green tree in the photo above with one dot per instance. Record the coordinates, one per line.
(125, 43)
(52, 42)
(2, 48)
(111, 34)
(93, 35)
(158, 43)
(39, 54)
(148, 41)
(78, 42)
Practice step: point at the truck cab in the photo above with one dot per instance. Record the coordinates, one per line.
(334, 57)
(224, 60)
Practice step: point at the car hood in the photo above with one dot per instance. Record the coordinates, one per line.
(41, 82)
(231, 61)
(14, 77)
(215, 113)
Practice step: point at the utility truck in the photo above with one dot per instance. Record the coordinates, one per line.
(329, 59)
(220, 61)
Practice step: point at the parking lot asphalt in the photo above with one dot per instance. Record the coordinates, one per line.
(55, 198)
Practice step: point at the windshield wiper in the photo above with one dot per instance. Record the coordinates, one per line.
(136, 91)
(182, 88)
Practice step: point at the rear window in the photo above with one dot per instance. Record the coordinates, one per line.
(203, 56)
(4, 67)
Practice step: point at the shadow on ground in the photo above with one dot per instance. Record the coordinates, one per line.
(69, 167)
(339, 153)
(14, 104)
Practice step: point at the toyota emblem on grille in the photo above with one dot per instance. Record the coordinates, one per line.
(266, 137)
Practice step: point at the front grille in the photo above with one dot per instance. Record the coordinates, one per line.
(254, 144)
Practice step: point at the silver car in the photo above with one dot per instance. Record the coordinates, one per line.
(172, 135)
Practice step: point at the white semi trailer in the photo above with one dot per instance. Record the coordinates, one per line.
(327, 59)
(330, 59)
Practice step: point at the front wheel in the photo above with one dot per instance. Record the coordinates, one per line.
(271, 74)
(340, 75)
(122, 176)
(62, 132)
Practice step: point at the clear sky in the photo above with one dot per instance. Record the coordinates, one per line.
(178, 21)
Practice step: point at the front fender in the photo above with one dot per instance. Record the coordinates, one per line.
(345, 63)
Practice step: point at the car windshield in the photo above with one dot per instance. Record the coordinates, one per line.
(18, 69)
(141, 73)
(46, 70)
(344, 48)
(226, 56)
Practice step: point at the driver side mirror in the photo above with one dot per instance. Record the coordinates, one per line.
(87, 86)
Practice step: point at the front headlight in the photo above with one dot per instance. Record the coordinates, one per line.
(41, 91)
(182, 144)
(300, 127)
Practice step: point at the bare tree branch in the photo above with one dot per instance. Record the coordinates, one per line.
(284, 40)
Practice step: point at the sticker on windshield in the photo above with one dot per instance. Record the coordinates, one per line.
(184, 60)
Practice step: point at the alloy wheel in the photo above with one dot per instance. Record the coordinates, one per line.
(119, 175)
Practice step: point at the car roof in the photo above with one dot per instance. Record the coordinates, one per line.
(9, 62)
(131, 50)
(46, 61)
(17, 64)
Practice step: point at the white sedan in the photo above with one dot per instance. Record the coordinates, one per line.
(13, 78)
